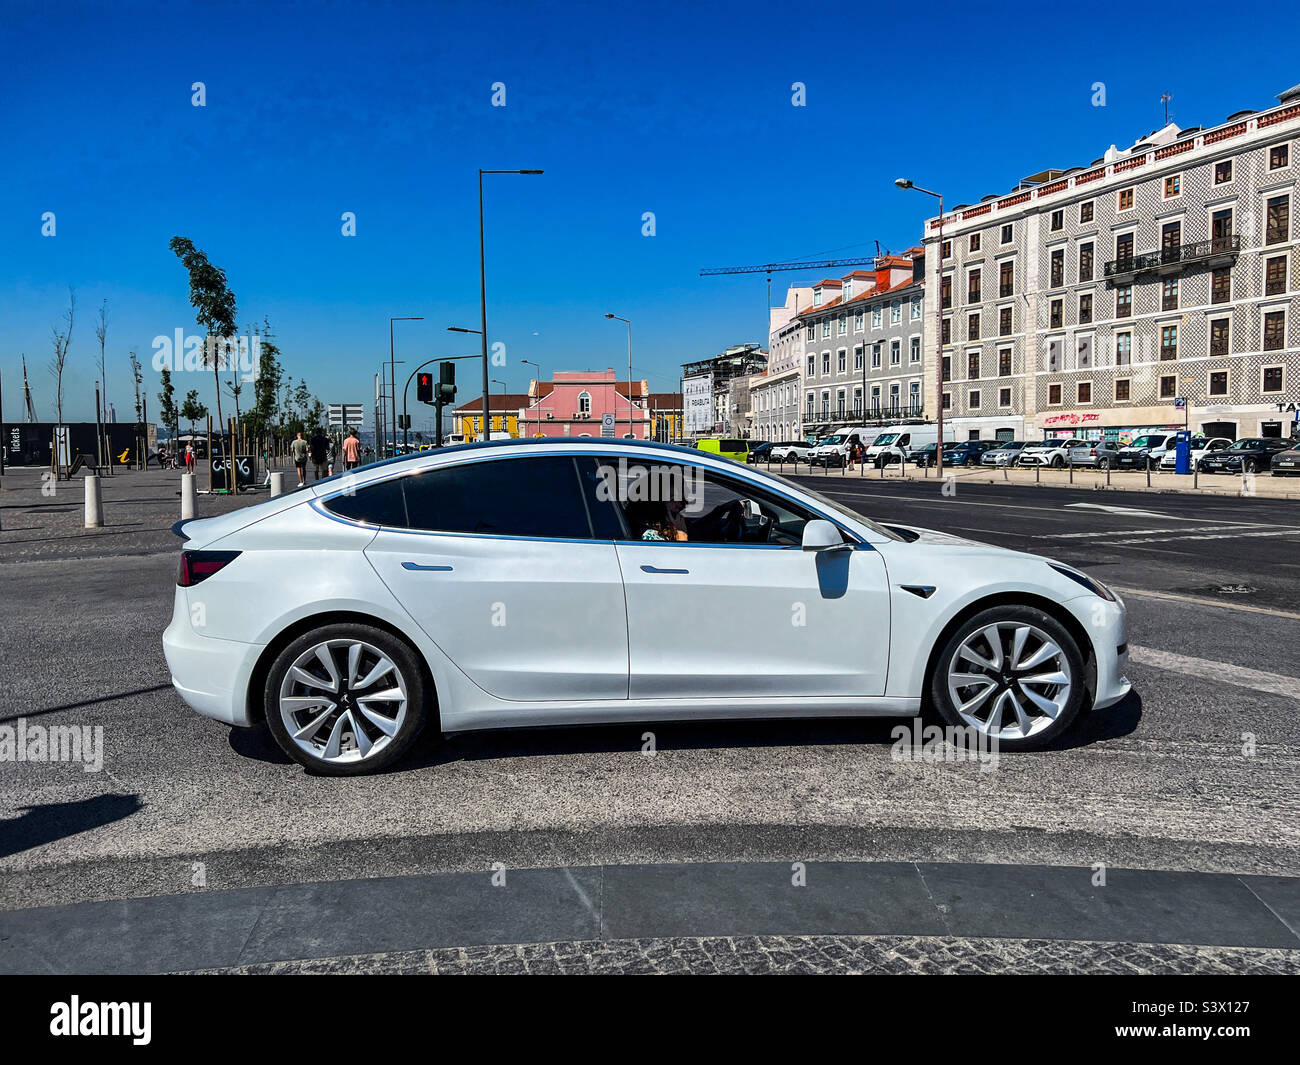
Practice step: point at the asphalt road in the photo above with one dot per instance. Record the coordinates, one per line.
(1158, 782)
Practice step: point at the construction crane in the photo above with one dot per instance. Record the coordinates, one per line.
(775, 268)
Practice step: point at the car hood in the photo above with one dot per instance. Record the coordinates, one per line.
(199, 532)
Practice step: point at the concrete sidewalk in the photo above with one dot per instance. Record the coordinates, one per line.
(1260, 486)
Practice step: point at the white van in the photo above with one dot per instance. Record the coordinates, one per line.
(895, 441)
(836, 448)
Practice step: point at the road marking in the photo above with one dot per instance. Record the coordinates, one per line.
(1197, 600)
(1223, 672)
(1136, 532)
(1116, 510)
(1198, 537)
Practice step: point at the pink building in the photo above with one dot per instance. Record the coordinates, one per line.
(574, 404)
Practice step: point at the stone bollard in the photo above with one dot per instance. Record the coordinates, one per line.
(277, 484)
(94, 502)
(187, 496)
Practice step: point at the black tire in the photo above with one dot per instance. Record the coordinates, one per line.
(1103, 464)
(1249, 466)
(940, 699)
(1057, 462)
(407, 662)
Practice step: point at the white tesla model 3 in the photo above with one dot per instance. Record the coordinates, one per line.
(584, 581)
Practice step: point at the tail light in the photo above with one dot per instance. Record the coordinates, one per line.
(198, 566)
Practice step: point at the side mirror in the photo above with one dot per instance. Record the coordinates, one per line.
(750, 509)
(819, 534)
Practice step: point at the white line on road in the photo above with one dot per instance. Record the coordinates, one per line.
(1197, 600)
(1134, 532)
(1223, 672)
(1116, 510)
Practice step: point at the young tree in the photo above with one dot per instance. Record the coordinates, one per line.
(62, 340)
(167, 412)
(192, 410)
(101, 334)
(214, 306)
(138, 378)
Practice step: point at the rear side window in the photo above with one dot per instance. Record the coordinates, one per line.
(505, 497)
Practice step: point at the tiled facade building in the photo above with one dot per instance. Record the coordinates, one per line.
(1089, 300)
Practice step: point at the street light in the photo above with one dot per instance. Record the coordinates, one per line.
(529, 362)
(482, 296)
(392, 371)
(905, 183)
(629, 370)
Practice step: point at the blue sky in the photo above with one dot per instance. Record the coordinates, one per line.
(680, 109)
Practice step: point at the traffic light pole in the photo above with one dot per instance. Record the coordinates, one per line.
(437, 406)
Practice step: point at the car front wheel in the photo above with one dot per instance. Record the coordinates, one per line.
(345, 699)
(1249, 466)
(1014, 674)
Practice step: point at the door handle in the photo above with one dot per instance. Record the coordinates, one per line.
(656, 569)
(418, 566)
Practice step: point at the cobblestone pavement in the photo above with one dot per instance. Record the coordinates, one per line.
(811, 955)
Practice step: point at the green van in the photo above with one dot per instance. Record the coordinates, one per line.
(727, 447)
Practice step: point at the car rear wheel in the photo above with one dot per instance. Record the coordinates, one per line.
(1249, 466)
(1103, 464)
(1013, 674)
(1057, 462)
(346, 699)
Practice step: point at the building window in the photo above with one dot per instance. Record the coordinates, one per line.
(1278, 223)
(1126, 199)
(914, 396)
(812, 365)
(1123, 301)
(1173, 185)
(1085, 308)
(1219, 336)
(915, 352)
(1221, 285)
(1275, 330)
(1004, 322)
(947, 367)
(1272, 379)
(1223, 172)
(973, 400)
(826, 363)
(1123, 349)
(1085, 262)
(811, 333)
(895, 312)
(876, 348)
(1058, 268)
(1085, 211)
(1121, 391)
(1056, 314)
(826, 328)
(826, 405)
(973, 327)
(974, 242)
(1006, 233)
(1219, 383)
(945, 249)
(1006, 278)
(895, 352)
(1004, 362)
(1058, 221)
(1053, 395)
(1171, 237)
(842, 360)
(875, 317)
(1279, 156)
(844, 324)
(945, 291)
(973, 286)
(1004, 397)
(584, 403)
(839, 405)
(857, 322)
(1168, 387)
(947, 401)
(972, 366)
(811, 408)
(1168, 342)
(1169, 294)
(1275, 275)
(1083, 392)
(916, 308)
(857, 357)
(945, 333)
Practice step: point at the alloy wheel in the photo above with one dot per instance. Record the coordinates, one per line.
(342, 701)
(1009, 680)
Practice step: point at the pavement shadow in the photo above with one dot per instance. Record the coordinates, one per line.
(38, 825)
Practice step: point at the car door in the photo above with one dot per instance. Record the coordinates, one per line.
(740, 610)
(495, 559)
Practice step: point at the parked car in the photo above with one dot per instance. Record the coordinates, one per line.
(1053, 452)
(1145, 452)
(836, 448)
(955, 453)
(891, 444)
(1287, 463)
(759, 453)
(1004, 454)
(728, 448)
(791, 451)
(604, 617)
(1094, 453)
(1200, 446)
(1251, 455)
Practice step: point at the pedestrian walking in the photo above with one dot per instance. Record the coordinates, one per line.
(351, 450)
(319, 449)
(298, 452)
(189, 458)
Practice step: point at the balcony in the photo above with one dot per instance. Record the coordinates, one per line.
(1217, 252)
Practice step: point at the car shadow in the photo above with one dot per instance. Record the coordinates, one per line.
(38, 825)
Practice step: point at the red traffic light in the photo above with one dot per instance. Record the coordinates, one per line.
(424, 388)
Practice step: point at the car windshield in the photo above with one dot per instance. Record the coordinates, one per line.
(836, 439)
(1148, 441)
(1061, 442)
(834, 507)
(1244, 445)
(885, 438)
